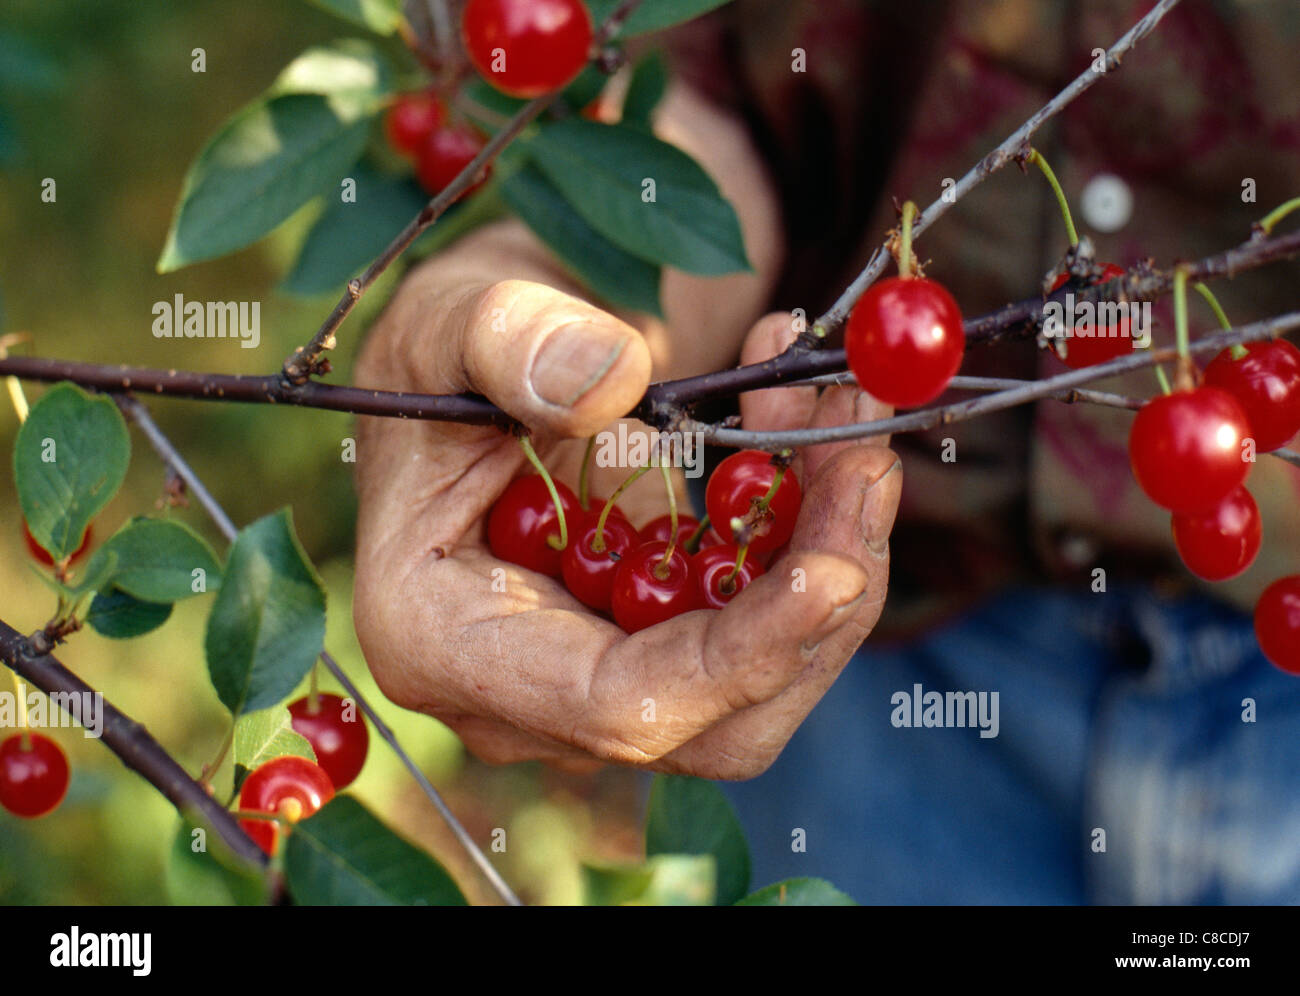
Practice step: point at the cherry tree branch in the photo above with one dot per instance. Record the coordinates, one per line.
(1007, 152)
(131, 742)
(178, 465)
(305, 361)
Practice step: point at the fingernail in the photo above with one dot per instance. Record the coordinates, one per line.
(834, 621)
(572, 361)
(877, 522)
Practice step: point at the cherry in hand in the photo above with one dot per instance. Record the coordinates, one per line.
(715, 567)
(33, 774)
(1277, 624)
(523, 523)
(526, 48)
(291, 787)
(1086, 347)
(336, 732)
(442, 156)
(1221, 543)
(649, 590)
(736, 491)
(1186, 448)
(588, 571)
(411, 120)
(1266, 382)
(904, 341)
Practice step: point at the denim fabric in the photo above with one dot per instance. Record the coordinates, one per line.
(1120, 711)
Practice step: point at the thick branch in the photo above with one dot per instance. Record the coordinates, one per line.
(131, 742)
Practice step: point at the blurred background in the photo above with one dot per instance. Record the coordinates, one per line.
(101, 98)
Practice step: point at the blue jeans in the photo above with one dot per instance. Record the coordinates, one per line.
(1146, 753)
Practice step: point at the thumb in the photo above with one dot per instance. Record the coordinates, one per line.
(551, 360)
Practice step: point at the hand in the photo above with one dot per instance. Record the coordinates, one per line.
(530, 673)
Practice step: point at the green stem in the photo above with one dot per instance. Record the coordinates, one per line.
(1037, 159)
(1278, 213)
(214, 765)
(1239, 352)
(526, 445)
(1164, 380)
(313, 693)
(906, 266)
(584, 474)
(1183, 379)
(692, 543)
(598, 544)
(729, 582)
(662, 570)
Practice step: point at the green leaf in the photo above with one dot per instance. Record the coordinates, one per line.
(118, 616)
(265, 735)
(343, 856)
(277, 153)
(380, 16)
(156, 561)
(653, 15)
(267, 625)
(70, 458)
(645, 90)
(604, 171)
(692, 816)
(209, 876)
(798, 892)
(664, 880)
(614, 275)
(349, 234)
(23, 67)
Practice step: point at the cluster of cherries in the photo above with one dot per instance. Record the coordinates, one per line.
(672, 564)
(525, 48)
(1190, 454)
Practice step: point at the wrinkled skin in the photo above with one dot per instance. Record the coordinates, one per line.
(529, 673)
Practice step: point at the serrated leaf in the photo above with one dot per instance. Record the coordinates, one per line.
(380, 16)
(209, 876)
(70, 458)
(277, 153)
(156, 560)
(267, 625)
(616, 276)
(118, 616)
(798, 892)
(645, 90)
(604, 172)
(349, 234)
(653, 15)
(664, 880)
(692, 816)
(343, 856)
(267, 734)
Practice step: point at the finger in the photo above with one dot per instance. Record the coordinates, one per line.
(849, 509)
(776, 408)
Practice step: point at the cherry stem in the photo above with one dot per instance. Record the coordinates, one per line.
(766, 500)
(661, 571)
(1239, 352)
(1164, 380)
(584, 474)
(729, 582)
(526, 445)
(313, 693)
(598, 544)
(1037, 159)
(692, 543)
(1183, 379)
(20, 698)
(906, 265)
(1267, 223)
(214, 765)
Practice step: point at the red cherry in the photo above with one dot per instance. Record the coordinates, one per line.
(642, 598)
(662, 528)
(522, 520)
(1186, 450)
(411, 120)
(337, 733)
(737, 484)
(1267, 384)
(526, 48)
(1223, 542)
(1086, 347)
(33, 775)
(905, 341)
(711, 538)
(589, 573)
(289, 786)
(444, 154)
(42, 555)
(712, 568)
(1277, 624)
